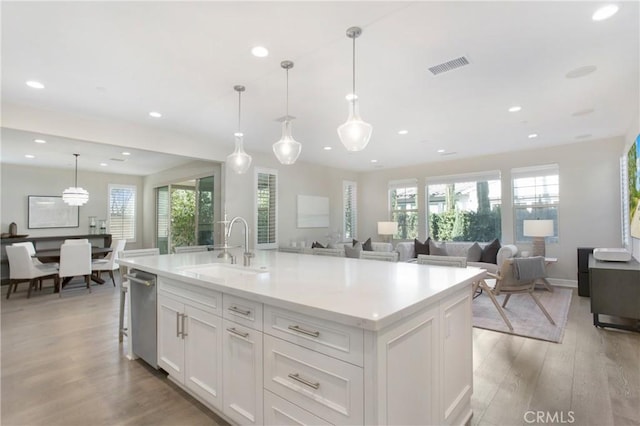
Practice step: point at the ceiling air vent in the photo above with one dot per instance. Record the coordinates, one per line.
(449, 65)
(117, 159)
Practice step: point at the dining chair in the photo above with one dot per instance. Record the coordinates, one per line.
(509, 282)
(35, 260)
(379, 255)
(22, 269)
(124, 288)
(108, 263)
(75, 260)
(190, 249)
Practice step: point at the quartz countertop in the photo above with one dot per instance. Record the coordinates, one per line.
(368, 294)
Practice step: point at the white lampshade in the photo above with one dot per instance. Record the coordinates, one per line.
(287, 149)
(354, 133)
(75, 196)
(538, 228)
(387, 228)
(239, 161)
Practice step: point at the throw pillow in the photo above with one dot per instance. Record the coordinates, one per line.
(367, 246)
(490, 252)
(316, 244)
(353, 252)
(437, 249)
(420, 248)
(474, 254)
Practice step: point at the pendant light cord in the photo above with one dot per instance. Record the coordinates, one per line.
(353, 94)
(287, 116)
(239, 108)
(76, 183)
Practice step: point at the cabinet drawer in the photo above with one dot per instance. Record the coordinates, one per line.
(242, 311)
(327, 387)
(280, 412)
(208, 300)
(330, 338)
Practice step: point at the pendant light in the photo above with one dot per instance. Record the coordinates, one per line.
(354, 133)
(74, 195)
(239, 161)
(287, 149)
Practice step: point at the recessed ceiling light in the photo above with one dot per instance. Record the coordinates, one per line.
(440, 151)
(327, 148)
(515, 108)
(351, 97)
(533, 136)
(104, 164)
(374, 161)
(605, 12)
(39, 141)
(126, 153)
(403, 132)
(581, 72)
(155, 114)
(29, 156)
(238, 134)
(35, 84)
(260, 52)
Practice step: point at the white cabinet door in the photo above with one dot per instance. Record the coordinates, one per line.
(170, 340)
(242, 375)
(203, 353)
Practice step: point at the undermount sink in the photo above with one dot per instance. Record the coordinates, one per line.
(224, 270)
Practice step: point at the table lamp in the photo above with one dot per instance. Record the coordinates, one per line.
(388, 228)
(538, 229)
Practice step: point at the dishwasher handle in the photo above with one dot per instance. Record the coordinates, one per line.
(148, 283)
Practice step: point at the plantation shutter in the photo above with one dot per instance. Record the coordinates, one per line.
(350, 210)
(122, 212)
(266, 209)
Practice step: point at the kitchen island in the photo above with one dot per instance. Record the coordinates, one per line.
(302, 339)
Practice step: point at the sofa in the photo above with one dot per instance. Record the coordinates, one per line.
(339, 249)
(406, 253)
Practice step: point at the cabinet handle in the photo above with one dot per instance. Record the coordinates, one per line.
(238, 333)
(299, 329)
(296, 376)
(183, 333)
(177, 324)
(239, 311)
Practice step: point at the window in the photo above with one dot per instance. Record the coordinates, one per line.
(266, 208)
(403, 202)
(122, 212)
(536, 195)
(349, 210)
(464, 207)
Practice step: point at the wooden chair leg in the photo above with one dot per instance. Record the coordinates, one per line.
(506, 299)
(497, 305)
(32, 283)
(10, 284)
(112, 278)
(87, 279)
(542, 308)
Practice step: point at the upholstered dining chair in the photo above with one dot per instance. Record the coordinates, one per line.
(22, 269)
(124, 288)
(108, 263)
(75, 260)
(379, 255)
(190, 249)
(35, 260)
(509, 282)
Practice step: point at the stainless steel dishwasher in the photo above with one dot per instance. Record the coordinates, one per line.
(144, 327)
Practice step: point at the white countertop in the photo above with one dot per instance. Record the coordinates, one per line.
(369, 294)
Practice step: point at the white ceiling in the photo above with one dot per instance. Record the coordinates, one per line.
(120, 60)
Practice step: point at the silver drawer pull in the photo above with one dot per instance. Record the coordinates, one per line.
(296, 377)
(177, 324)
(299, 329)
(239, 311)
(183, 328)
(139, 281)
(238, 333)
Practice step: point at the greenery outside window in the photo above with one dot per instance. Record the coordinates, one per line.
(266, 191)
(536, 195)
(349, 210)
(403, 202)
(122, 212)
(464, 207)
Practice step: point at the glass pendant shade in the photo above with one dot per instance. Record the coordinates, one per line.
(239, 161)
(354, 133)
(75, 195)
(287, 149)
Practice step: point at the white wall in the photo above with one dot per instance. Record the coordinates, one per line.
(18, 182)
(589, 214)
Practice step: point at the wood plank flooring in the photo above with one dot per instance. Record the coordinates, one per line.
(62, 365)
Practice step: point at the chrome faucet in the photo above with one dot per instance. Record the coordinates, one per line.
(247, 255)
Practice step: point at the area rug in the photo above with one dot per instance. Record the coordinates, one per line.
(526, 317)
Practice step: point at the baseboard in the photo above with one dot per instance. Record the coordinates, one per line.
(563, 283)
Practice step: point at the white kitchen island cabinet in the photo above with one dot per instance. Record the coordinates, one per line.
(321, 340)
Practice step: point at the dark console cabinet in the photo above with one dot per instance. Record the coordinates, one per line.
(583, 270)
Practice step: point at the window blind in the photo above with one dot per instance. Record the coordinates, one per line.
(350, 209)
(122, 212)
(266, 209)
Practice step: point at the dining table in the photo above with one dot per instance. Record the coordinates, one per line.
(53, 255)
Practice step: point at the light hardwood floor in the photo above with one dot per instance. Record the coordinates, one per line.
(62, 365)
